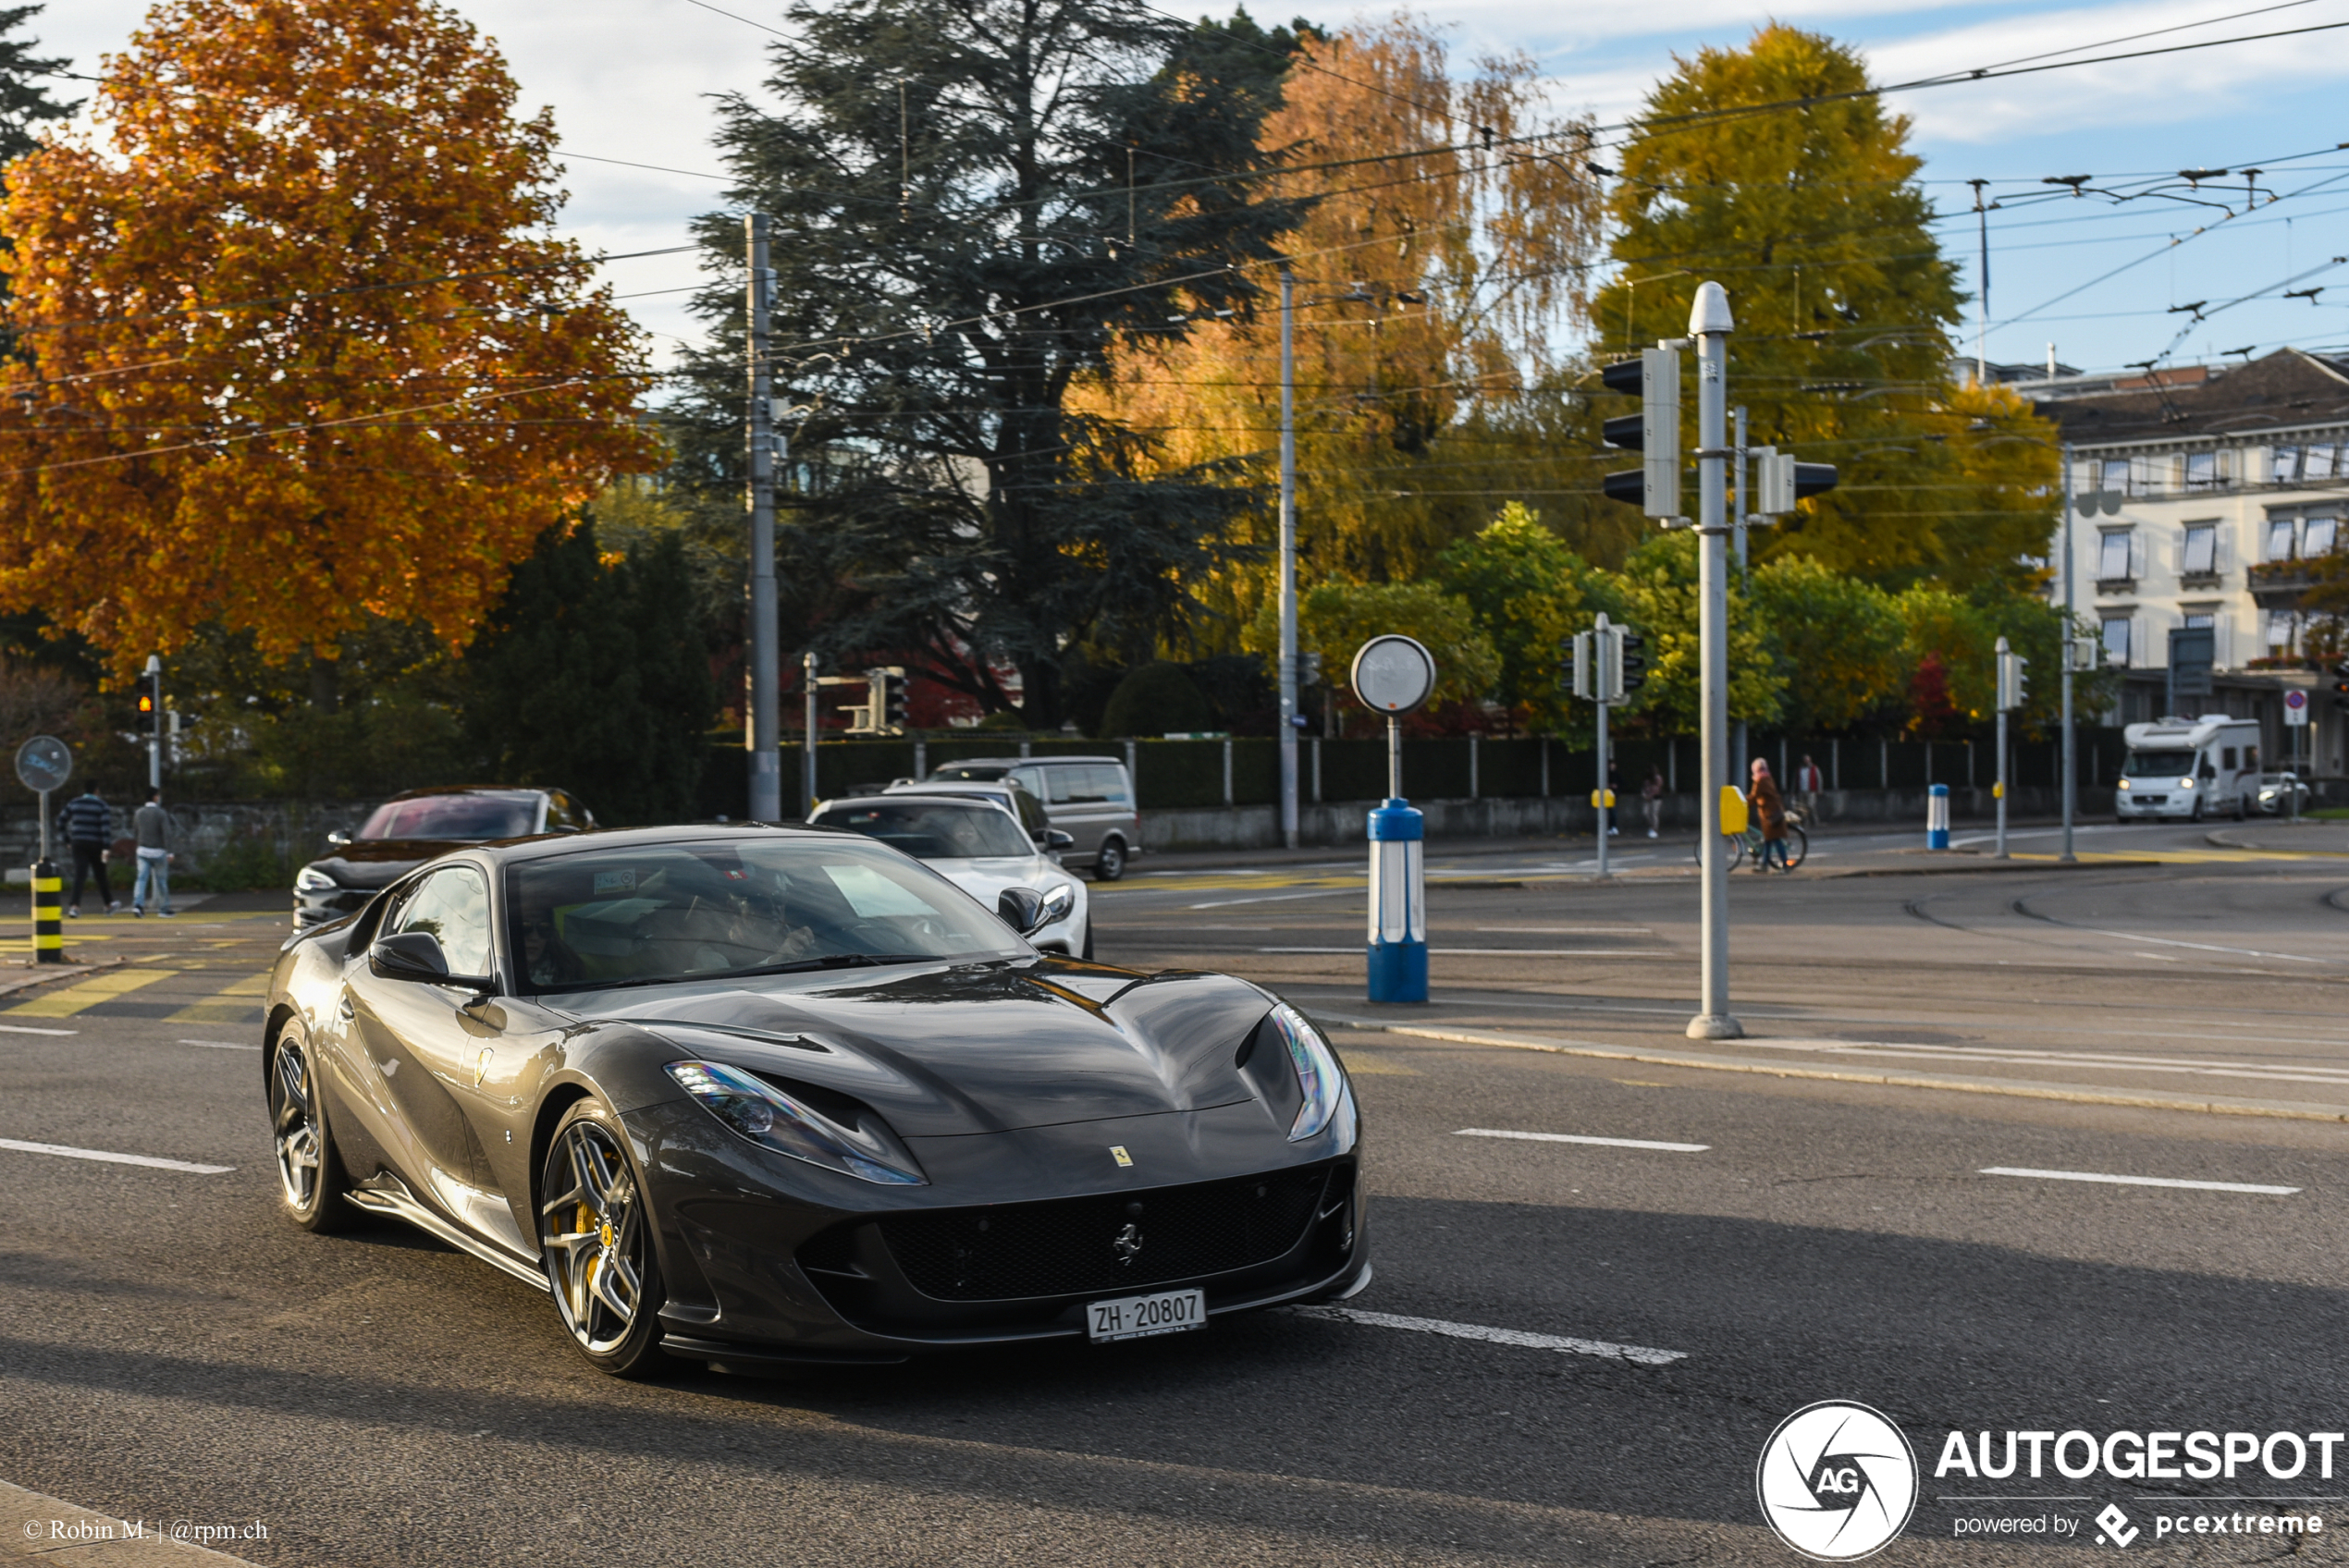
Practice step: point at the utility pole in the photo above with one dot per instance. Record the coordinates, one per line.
(2071, 763)
(1982, 326)
(1738, 748)
(1710, 324)
(766, 674)
(2013, 688)
(1288, 558)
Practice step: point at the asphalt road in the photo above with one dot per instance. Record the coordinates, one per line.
(170, 1351)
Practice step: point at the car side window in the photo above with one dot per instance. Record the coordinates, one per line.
(1110, 780)
(563, 815)
(452, 905)
(1028, 779)
(1032, 812)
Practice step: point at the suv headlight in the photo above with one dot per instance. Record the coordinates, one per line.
(310, 879)
(773, 1120)
(1319, 1077)
(2186, 783)
(1058, 901)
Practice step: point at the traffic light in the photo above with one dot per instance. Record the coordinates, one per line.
(1780, 481)
(1309, 670)
(1654, 432)
(2341, 686)
(1631, 661)
(883, 712)
(2014, 688)
(147, 706)
(893, 707)
(1577, 651)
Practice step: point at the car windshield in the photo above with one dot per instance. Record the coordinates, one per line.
(933, 829)
(2142, 763)
(659, 912)
(975, 773)
(470, 818)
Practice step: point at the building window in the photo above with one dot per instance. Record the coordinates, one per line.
(2278, 538)
(2116, 641)
(2279, 632)
(2285, 467)
(2202, 471)
(2116, 476)
(2201, 556)
(2112, 561)
(2319, 537)
(2199, 620)
(2317, 462)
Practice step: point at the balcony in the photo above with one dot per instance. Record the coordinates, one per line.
(2116, 587)
(2281, 586)
(2192, 581)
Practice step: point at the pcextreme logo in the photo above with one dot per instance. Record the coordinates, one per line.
(1837, 1481)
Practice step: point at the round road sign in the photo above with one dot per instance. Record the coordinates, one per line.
(43, 764)
(1394, 674)
(2296, 699)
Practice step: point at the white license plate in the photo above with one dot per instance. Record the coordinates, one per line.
(1135, 1318)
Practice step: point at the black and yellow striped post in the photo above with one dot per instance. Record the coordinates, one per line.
(48, 913)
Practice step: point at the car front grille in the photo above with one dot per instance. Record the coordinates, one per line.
(1070, 1245)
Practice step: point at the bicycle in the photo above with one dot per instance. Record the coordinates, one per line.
(1747, 845)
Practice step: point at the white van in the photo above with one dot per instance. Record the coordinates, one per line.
(2189, 769)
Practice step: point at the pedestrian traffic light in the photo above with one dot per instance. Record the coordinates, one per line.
(146, 704)
(1654, 432)
(1576, 652)
(1630, 660)
(2013, 680)
(1780, 481)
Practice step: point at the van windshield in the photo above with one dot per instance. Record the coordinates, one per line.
(2142, 763)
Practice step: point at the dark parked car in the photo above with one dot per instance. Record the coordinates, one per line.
(755, 1095)
(409, 830)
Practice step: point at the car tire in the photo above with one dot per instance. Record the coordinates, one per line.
(312, 1183)
(1109, 862)
(595, 1236)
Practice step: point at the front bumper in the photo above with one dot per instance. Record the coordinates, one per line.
(845, 1271)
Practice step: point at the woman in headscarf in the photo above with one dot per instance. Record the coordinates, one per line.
(1770, 810)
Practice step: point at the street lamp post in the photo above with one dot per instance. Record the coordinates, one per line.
(1288, 558)
(1710, 324)
(2071, 755)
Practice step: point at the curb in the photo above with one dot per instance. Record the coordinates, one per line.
(35, 1528)
(2078, 1093)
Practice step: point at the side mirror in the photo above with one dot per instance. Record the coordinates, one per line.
(416, 955)
(1022, 909)
(1056, 839)
(338, 838)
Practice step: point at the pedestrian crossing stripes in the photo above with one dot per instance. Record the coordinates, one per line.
(180, 994)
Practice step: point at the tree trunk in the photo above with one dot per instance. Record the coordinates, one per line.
(325, 683)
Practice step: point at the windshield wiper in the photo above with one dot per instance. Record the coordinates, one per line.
(834, 960)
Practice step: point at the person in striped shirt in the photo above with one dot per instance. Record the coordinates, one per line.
(89, 825)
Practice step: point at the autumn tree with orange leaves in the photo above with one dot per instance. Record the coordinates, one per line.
(1435, 293)
(298, 352)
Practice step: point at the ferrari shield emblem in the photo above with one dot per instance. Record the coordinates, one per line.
(1118, 1152)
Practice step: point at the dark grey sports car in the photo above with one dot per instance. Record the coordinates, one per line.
(755, 1095)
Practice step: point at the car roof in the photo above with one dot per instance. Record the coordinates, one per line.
(510, 792)
(959, 801)
(543, 846)
(1024, 761)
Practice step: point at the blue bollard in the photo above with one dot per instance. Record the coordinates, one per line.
(1398, 904)
(1937, 818)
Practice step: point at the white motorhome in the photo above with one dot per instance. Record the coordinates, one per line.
(2189, 769)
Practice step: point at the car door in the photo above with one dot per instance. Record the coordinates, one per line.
(432, 1046)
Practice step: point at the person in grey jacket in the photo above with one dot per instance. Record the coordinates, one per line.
(89, 825)
(155, 832)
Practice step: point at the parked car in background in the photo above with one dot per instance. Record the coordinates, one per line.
(981, 848)
(1024, 807)
(1090, 798)
(2276, 793)
(411, 828)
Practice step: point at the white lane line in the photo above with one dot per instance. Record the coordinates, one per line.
(2197, 947)
(1639, 1353)
(2280, 1073)
(1579, 1138)
(1280, 898)
(2139, 1181)
(110, 1158)
(1503, 952)
(28, 1029)
(1566, 930)
(219, 1045)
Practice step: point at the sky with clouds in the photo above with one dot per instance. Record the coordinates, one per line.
(631, 81)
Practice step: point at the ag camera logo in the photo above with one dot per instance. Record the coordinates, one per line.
(1837, 1481)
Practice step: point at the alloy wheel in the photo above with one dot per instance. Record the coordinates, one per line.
(592, 1237)
(294, 1116)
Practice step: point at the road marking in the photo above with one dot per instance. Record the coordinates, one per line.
(2139, 1181)
(28, 1029)
(90, 993)
(2278, 1072)
(1273, 899)
(1565, 930)
(1503, 952)
(1580, 1138)
(219, 1045)
(112, 1158)
(1642, 1354)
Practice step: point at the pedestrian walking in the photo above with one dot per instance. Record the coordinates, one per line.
(155, 832)
(1652, 799)
(1614, 793)
(1769, 811)
(89, 825)
(1808, 782)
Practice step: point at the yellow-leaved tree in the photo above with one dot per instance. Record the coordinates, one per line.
(298, 349)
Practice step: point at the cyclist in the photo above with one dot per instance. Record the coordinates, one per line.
(1769, 811)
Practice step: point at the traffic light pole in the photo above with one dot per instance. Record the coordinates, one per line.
(1288, 558)
(807, 769)
(1710, 324)
(766, 674)
(2071, 761)
(1738, 746)
(1998, 792)
(154, 730)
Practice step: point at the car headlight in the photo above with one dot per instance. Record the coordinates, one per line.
(310, 879)
(2186, 783)
(1319, 1077)
(1057, 902)
(773, 1120)
(2124, 783)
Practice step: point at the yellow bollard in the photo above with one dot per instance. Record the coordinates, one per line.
(48, 913)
